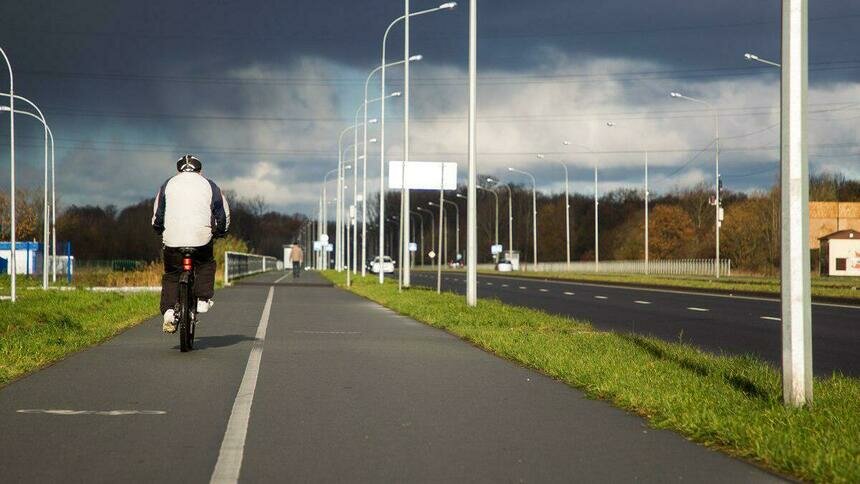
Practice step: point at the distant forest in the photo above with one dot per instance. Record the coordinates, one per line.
(681, 224)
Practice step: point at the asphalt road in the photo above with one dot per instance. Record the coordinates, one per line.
(718, 323)
(296, 383)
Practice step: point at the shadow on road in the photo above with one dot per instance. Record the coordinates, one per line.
(221, 341)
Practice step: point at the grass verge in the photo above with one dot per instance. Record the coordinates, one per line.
(726, 402)
(43, 327)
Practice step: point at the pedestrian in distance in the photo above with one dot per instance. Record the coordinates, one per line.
(297, 256)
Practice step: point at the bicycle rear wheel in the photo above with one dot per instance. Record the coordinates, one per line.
(186, 325)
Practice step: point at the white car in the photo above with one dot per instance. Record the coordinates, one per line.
(504, 266)
(387, 265)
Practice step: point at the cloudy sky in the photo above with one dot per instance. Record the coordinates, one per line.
(260, 89)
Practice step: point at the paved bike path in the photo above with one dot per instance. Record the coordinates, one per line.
(347, 391)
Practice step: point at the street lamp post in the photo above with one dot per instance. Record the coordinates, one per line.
(596, 205)
(421, 219)
(611, 124)
(432, 229)
(414, 58)
(444, 6)
(510, 212)
(566, 207)
(48, 135)
(534, 214)
(457, 229)
(12, 264)
(472, 202)
(717, 207)
(496, 195)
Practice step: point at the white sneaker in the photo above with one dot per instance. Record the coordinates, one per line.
(204, 305)
(169, 324)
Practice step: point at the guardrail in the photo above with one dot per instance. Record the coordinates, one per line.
(239, 264)
(669, 267)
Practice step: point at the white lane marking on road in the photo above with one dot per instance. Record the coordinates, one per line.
(600, 297)
(229, 462)
(327, 332)
(504, 285)
(110, 413)
(523, 287)
(568, 293)
(642, 302)
(701, 310)
(282, 278)
(771, 318)
(489, 283)
(543, 290)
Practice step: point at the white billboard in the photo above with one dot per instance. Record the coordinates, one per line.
(423, 175)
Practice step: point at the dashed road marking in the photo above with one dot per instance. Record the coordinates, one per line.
(543, 290)
(504, 285)
(701, 310)
(771, 318)
(523, 287)
(327, 332)
(642, 302)
(601, 297)
(110, 413)
(568, 293)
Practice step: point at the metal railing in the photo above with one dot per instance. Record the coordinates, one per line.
(669, 267)
(238, 264)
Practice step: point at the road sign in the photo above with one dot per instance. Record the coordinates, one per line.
(496, 249)
(317, 245)
(422, 175)
(329, 248)
(432, 255)
(413, 247)
(324, 238)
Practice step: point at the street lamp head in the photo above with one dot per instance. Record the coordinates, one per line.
(416, 58)
(372, 140)
(5, 108)
(510, 169)
(674, 94)
(540, 156)
(347, 167)
(749, 56)
(432, 204)
(448, 6)
(372, 121)
(566, 143)
(395, 94)
(462, 196)
(610, 124)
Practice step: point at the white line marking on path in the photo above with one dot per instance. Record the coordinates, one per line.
(701, 310)
(233, 446)
(543, 290)
(642, 302)
(110, 413)
(504, 285)
(282, 278)
(771, 318)
(523, 287)
(600, 297)
(489, 283)
(568, 294)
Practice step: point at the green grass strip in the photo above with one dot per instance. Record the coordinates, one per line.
(731, 403)
(42, 327)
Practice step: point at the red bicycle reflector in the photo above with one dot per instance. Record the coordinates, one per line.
(186, 263)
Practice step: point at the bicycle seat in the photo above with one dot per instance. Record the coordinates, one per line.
(188, 251)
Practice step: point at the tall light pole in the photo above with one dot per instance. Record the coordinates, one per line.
(596, 205)
(422, 233)
(444, 6)
(12, 264)
(45, 219)
(338, 231)
(472, 202)
(510, 212)
(496, 195)
(414, 58)
(534, 213)
(794, 201)
(324, 214)
(456, 221)
(611, 124)
(566, 207)
(432, 229)
(717, 207)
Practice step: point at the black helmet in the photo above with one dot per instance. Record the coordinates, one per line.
(189, 163)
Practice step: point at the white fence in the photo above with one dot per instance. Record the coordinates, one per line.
(238, 264)
(680, 267)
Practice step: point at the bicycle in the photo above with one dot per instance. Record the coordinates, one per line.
(186, 307)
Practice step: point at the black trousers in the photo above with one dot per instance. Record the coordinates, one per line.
(297, 268)
(204, 275)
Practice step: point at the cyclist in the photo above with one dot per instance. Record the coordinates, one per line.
(189, 211)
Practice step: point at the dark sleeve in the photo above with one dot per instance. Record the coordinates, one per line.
(158, 210)
(220, 212)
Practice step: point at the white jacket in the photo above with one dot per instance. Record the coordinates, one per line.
(189, 210)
